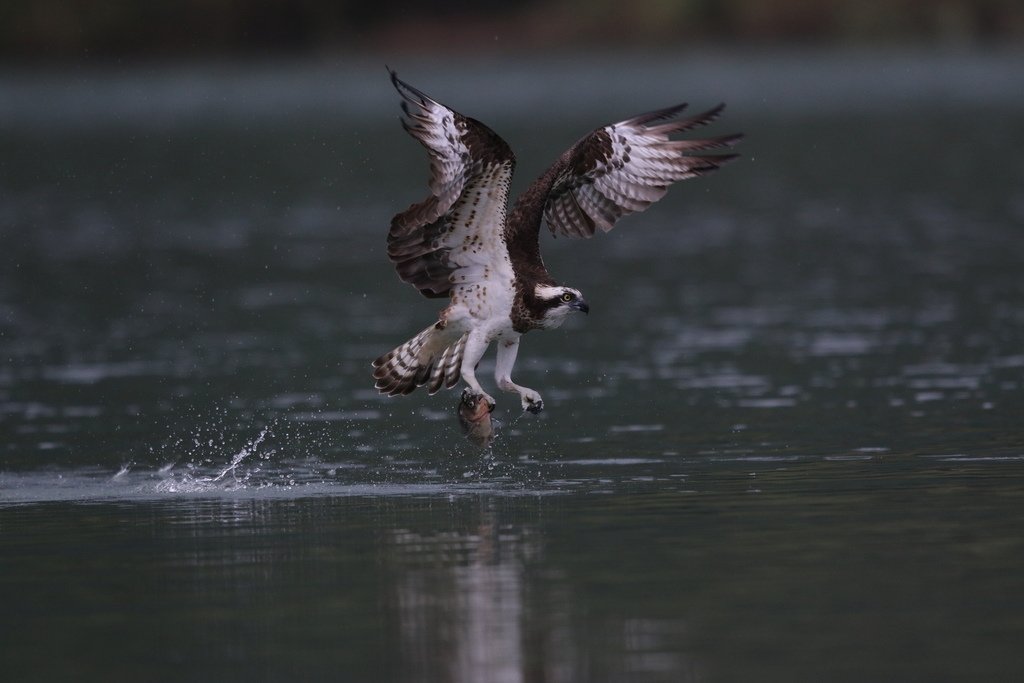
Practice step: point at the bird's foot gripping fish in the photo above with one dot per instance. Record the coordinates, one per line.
(475, 418)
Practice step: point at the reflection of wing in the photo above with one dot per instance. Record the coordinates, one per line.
(626, 167)
(453, 235)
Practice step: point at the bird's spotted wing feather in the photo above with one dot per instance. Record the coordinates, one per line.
(455, 234)
(627, 166)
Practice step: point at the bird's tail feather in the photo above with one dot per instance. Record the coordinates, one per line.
(432, 358)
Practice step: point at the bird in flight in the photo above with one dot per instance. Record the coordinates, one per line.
(462, 243)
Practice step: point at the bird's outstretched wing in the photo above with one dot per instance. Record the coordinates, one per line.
(456, 233)
(627, 166)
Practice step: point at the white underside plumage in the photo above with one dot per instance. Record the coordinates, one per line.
(482, 295)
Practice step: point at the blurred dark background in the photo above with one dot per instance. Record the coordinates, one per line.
(58, 30)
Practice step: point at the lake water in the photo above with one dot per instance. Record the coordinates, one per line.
(786, 444)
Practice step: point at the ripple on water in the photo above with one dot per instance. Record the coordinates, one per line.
(619, 462)
(335, 415)
(92, 373)
(634, 428)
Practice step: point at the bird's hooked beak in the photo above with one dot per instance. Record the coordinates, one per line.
(580, 305)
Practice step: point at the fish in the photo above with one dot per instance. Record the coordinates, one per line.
(475, 419)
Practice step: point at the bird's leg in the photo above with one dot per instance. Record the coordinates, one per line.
(476, 344)
(507, 351)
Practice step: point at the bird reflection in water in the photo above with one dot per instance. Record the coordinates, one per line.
(484, 605)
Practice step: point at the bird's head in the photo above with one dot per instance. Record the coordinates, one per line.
(557, 302)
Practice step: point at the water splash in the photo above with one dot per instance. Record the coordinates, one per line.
(123, 472)
(246, 451)
(187, 482)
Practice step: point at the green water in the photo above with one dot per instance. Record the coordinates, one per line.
(784, 445)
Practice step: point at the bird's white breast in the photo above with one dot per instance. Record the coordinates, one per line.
(483, 279)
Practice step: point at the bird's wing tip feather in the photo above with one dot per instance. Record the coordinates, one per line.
(408, 92)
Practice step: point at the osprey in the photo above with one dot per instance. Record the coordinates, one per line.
(461, 244)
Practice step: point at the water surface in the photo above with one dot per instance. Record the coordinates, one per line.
(784, 445)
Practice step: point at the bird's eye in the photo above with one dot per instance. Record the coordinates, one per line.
(567, 297)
